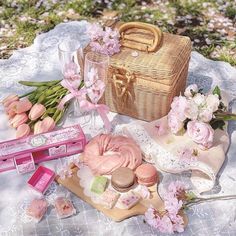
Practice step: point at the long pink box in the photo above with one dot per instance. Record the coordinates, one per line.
(21, 154)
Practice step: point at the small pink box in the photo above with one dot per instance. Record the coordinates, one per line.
(24, 163)
(41, 179)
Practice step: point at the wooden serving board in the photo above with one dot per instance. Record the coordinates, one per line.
(116, 214)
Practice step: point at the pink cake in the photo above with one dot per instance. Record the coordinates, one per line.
(105, 153)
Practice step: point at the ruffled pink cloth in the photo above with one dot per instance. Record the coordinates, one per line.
(105, 153)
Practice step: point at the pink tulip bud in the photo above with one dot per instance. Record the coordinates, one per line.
(22, 131)
(36, 111)
(10, 110)
(11, 114)
(48, 124)
(9, 99)
(38, 128)
(18, 120)
(23, 106)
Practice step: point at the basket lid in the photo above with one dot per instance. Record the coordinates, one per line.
(163, 64)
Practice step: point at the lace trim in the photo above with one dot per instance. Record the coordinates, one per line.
(166, 161)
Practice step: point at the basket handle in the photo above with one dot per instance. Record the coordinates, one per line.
(138, 43)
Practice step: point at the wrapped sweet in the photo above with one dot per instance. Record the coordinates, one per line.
(37, 209)
(64, 207)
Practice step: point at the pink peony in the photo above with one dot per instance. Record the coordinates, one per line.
(174, 123)
(191, 90)
(212, 102)
(178, 106)
(201, 133)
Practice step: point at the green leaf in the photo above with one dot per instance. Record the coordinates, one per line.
(190, 196)
(217, 91)
(217, 124)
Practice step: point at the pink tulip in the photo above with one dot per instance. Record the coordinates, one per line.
(9, 99)
(23, 106)
(22, 131)
(36, 111)
(48, 124)
(38, 127)
(19, 106)
(18, 120)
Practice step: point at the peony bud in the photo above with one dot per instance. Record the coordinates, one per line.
(18, 120)
(23, 131)
(36, 111)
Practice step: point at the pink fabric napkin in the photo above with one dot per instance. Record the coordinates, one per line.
(166, 151)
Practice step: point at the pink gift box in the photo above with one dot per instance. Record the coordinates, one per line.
(41, 147)
(41, 179)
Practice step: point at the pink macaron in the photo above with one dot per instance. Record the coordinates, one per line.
(147, 174)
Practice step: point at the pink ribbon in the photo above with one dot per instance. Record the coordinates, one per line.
(101, 109)
(74, 92)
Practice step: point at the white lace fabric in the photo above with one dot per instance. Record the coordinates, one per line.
(39, 62)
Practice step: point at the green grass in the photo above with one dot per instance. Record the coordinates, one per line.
(163, 15)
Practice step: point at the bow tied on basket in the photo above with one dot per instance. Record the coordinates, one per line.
(122, 80)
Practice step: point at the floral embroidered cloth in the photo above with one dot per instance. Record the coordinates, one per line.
(178, 153)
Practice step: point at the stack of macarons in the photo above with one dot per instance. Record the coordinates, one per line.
(147, 175)
(122, 179)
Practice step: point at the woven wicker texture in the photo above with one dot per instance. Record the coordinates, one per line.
(144, 86)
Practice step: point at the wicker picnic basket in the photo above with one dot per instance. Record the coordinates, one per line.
(148, 73)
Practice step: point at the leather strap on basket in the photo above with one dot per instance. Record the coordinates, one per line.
(140, 43)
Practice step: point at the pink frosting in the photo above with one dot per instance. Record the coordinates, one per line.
(105, 153)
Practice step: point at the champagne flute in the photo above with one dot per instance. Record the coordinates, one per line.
(95, 78)
(71, 58)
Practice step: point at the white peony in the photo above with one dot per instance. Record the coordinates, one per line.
(205, 115)
(192, 88)
(199, 99)
(191, 111)
(213, 102)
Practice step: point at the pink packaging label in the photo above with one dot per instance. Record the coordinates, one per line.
(42, 141)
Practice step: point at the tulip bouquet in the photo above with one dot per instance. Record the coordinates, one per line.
(200, 114)
(36, 111)
(176, 199)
